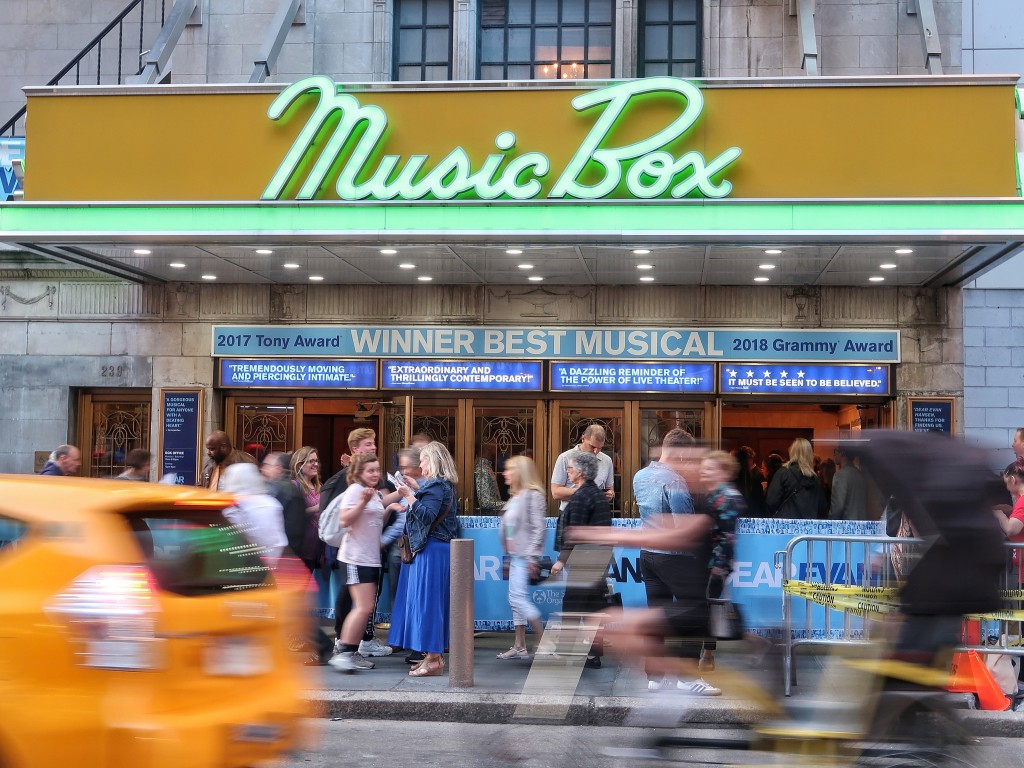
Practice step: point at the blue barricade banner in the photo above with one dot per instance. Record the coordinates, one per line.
(755, 584)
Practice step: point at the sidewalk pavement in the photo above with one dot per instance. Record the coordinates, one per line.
(560, 691)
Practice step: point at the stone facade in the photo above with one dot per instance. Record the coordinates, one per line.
(160, 336)
(351, 40)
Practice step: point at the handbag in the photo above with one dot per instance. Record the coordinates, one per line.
(725, 621)
(405, 553)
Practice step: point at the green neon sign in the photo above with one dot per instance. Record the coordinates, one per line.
(359, 133)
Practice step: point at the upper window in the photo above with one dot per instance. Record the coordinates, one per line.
(670, 33)
(545, 39)
(423, 40)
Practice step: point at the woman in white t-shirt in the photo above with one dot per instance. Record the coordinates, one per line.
(362, 510)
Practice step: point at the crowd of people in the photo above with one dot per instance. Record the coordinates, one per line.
(401, 523)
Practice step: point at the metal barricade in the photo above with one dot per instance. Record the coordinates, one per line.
(854, 569)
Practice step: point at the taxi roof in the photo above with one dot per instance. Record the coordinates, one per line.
(45, 498)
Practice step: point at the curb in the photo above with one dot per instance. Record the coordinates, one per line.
(465, 706)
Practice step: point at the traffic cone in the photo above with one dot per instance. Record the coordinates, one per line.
(961, 679)
(990, 695)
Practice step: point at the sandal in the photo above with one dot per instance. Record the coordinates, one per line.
(514, 653)
(429, 669)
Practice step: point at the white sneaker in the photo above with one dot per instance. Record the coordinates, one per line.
(698, 688)
(374, 648)
(350, 662)
(655, 685)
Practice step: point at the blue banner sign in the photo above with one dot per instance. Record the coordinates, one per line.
(633, 377)
(799, 379)
(179, 443)
(10, 150)
(307, 374)
(755, 582)
(698, 344)
(522, 376)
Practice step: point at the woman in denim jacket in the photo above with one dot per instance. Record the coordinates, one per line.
(419, 619)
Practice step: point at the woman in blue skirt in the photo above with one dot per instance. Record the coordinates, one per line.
(419, 620)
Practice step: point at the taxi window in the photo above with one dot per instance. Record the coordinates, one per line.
(198, 553)
(11, 533)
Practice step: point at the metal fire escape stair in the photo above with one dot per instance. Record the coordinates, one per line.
(87, 66)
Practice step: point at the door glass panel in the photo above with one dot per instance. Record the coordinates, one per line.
(499, 434)
(262, 429)
(117, 428)
(574, 422)
(437, 422)
(655, 423)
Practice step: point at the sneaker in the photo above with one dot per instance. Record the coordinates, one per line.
(592, 662)
(350, 662)
(698, 688)
(374, 648)
(337, 647)
(515, 653)
(655, 685)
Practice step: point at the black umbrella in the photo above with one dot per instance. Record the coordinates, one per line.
(946, 488)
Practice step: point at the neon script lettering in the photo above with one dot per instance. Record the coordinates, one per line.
(649, 170)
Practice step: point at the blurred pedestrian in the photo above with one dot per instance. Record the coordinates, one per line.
(662, 492)
(220, 455)
(638, 635)
(725, 505)
(65, 460)
(795, 492)
(587, 506)
(362, 513)
(420, 620)
(522, 537)
(137, 465)
(256, 513)
(276, 470)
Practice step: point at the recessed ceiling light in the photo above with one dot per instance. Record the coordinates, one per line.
(388, 251)
(887, 266)
(645, 266)
(641, 251)
(407, 266)
(526, 266)
(177, 265)
(316, 278)
(514, 251)
(646, 279)
(264, 251)
(535, 278)
(209, 277)
(904, 251)
(142, 252)
(876, 278)
(290, 265)
(766, 266)
(761, 279)
(773, 251)
(425, 278)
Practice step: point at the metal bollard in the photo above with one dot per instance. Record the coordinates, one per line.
(460, 645)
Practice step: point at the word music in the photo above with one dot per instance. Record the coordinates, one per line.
(355, 144)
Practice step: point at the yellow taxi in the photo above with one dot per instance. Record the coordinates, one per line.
(138, 627)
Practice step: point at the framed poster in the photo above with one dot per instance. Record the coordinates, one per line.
(932, 414)
(181, 424)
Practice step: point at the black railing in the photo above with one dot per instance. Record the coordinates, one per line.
(82, 61)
